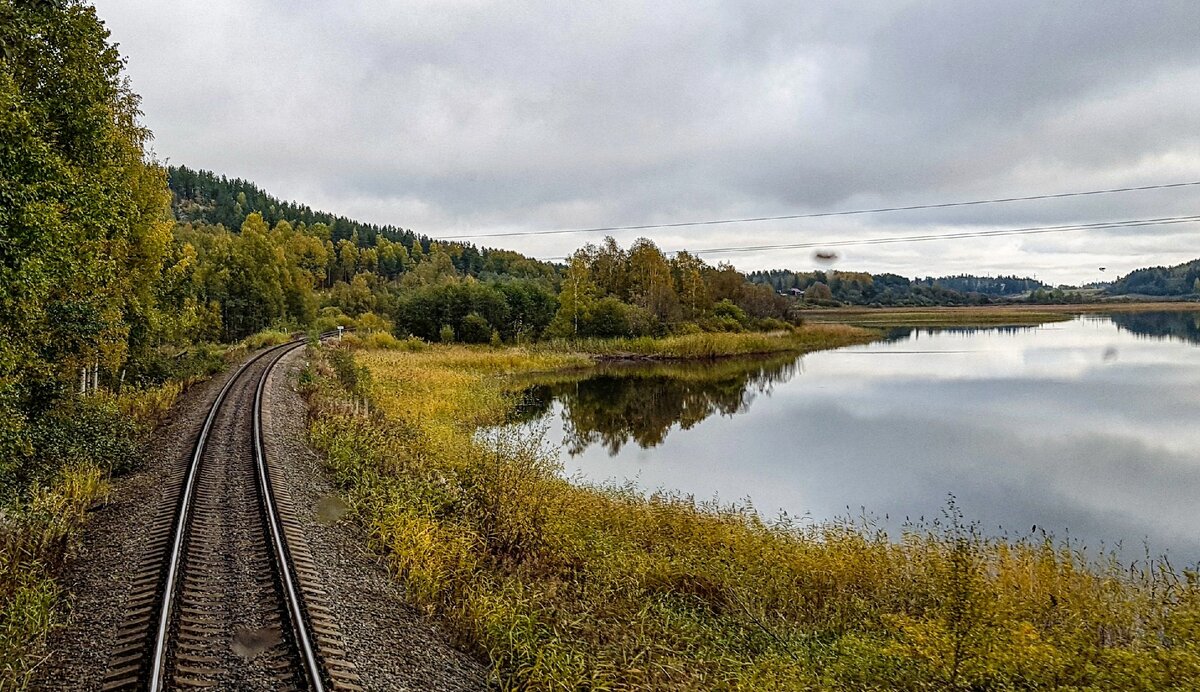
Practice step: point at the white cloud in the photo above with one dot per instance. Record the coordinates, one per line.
(452, 117)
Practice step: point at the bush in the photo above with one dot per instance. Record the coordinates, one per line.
(370, 322)
(388, 342)
(475, 330)
(161, 365)
(425, 311)
(330, 319)
(266, 338)
(446, 334)
(723, 323)
(609, 317)
(87, 430)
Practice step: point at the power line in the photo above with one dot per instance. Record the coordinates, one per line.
(1030, 230)
(816, 215)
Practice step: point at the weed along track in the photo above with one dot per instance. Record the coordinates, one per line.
(226, 594)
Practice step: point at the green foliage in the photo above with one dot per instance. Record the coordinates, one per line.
(1179, 280)
(862, 288)
(518, 309)
(727, 309)
(84, 216)
(355, 378)
(475, 329)
(1055, 296)
(610, 292)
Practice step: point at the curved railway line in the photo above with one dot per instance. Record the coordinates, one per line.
(226, 595)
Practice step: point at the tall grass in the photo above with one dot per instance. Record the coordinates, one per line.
(717, 344)
(35, 534)
(559, 586)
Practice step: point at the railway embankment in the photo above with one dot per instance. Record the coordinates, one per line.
(216, 636)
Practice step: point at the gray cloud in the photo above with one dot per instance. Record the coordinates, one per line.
(453, 117)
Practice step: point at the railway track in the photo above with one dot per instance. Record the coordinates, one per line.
(226, 595)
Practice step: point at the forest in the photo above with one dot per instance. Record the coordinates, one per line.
(863, 288)
(1179, 280)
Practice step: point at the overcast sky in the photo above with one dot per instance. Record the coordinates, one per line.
(484, 117)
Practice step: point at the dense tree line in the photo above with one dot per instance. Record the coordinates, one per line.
(205, 198)
(1179, 280)
(863, 288)
(1004, 286)
(610, 291)
(85, 219)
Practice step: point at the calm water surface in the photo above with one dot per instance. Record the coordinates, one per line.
(1085, 428)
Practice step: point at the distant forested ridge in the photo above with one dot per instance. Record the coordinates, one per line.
(1179, 280)
(204, 198)
(863, 288)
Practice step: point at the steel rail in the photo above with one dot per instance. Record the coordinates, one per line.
(158, 666)
(283, 563)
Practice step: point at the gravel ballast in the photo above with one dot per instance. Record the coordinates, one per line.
(100, 570)
(390, 643)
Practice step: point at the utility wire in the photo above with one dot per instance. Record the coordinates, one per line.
(816, 215)
(1030, 230)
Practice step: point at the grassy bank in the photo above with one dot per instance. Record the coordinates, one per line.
(982, 315)
(566, 587)
(715, 345)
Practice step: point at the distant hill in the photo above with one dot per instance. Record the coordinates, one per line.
(1179, 280)
(204, 197)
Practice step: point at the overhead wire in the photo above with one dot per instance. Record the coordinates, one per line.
(825, 214)
(1029, 230)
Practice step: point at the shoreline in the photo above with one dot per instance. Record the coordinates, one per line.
(981, 315)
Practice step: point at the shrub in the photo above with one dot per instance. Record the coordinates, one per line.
(370, 322)
(609, 317)
(726, 309)
(475, 330)
(387, 342)
(266, 338)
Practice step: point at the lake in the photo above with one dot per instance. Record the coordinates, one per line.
(1086, 429)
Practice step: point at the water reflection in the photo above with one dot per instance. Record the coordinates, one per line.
(619, 404)
(1183, 326)
(1084, 426)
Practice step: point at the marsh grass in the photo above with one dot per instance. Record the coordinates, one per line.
(560, 586)
(717, 344)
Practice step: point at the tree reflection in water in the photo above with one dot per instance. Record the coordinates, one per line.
(617, 403)
(1183, 326)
